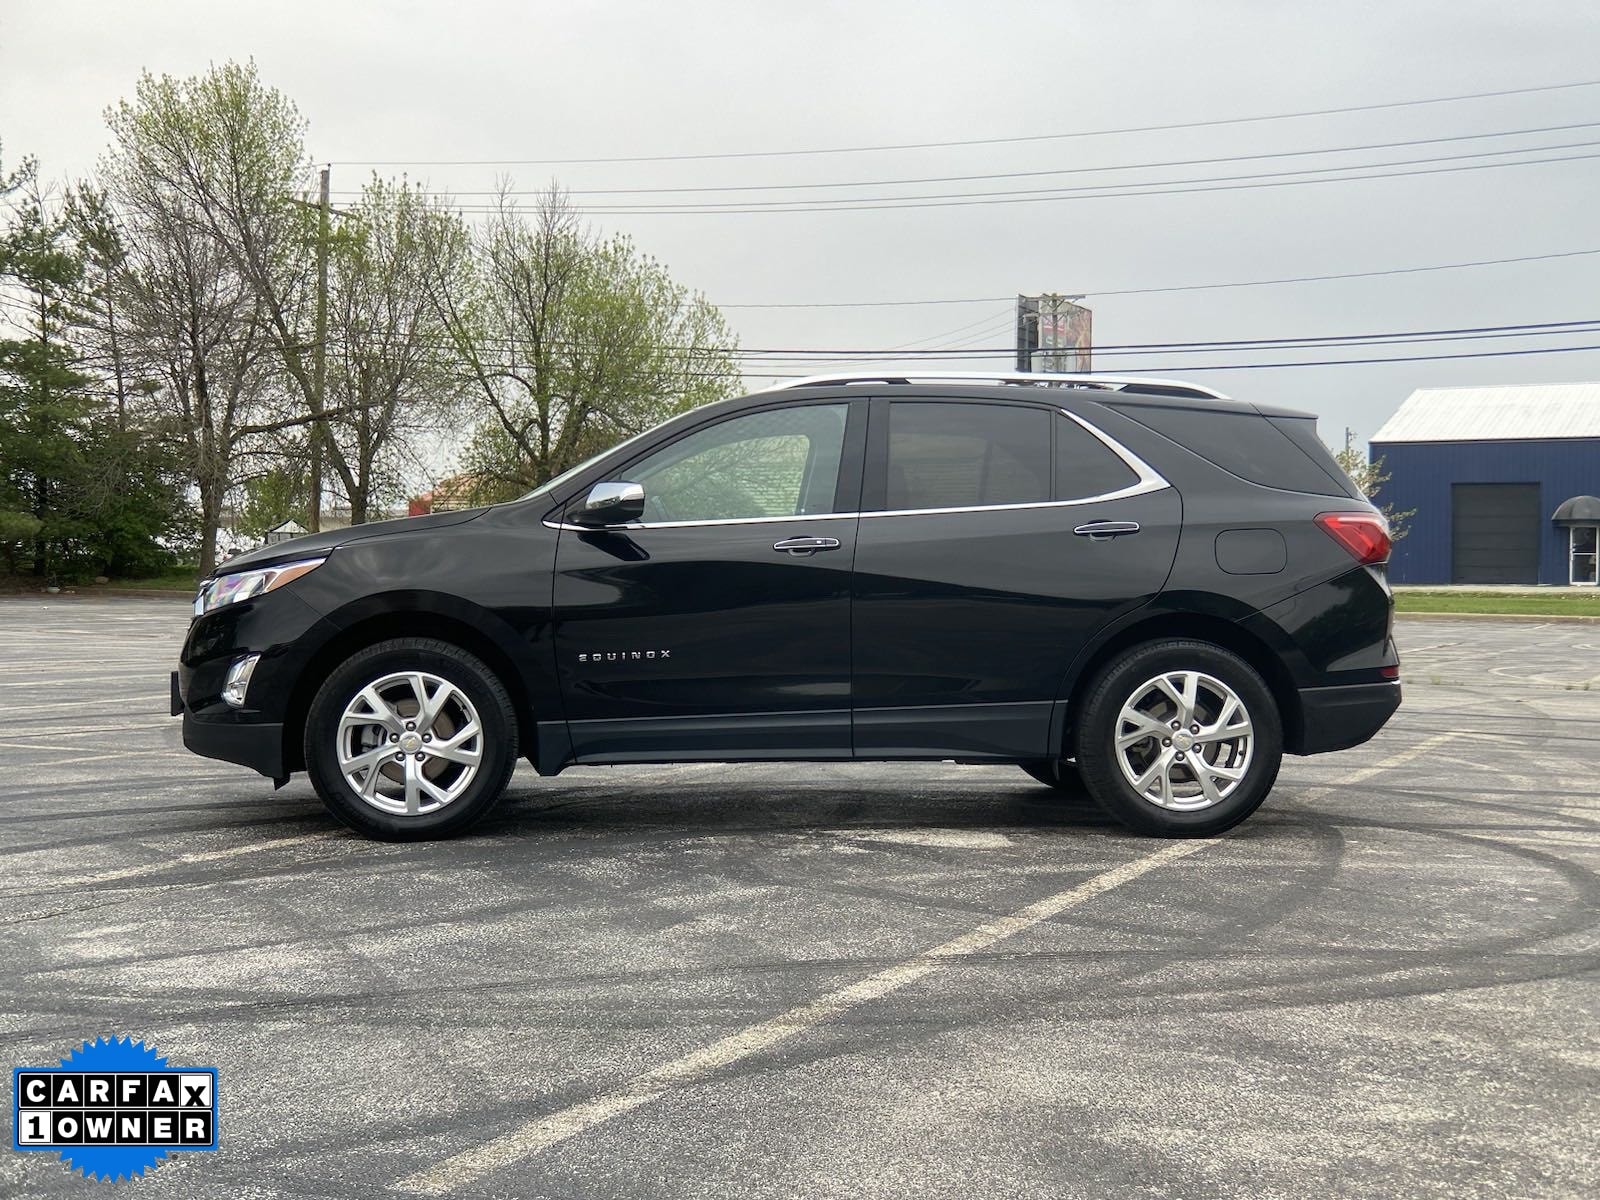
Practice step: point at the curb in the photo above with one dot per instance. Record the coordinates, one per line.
(1569, 618)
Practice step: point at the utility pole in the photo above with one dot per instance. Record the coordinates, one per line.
(319, 379)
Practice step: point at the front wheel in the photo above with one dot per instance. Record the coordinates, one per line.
(411, 738)
(1180, 738)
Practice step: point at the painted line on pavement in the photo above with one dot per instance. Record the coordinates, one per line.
(540, 1134)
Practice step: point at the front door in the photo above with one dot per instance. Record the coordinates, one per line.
(973, 589)
(1584, 557)
(718, 626)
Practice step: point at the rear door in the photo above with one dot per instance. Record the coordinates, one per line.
(996, 538)
(718, 626)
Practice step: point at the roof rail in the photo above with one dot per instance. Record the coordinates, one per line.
(1111, 383)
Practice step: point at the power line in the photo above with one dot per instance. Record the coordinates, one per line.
(1358, 362)
(1147, 166)
(1166, 187)
(1199, 368)
(995, 141)
(1308, 341)
(1185, 287)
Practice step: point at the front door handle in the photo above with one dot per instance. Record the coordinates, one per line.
(1099, 531)
(801, 546)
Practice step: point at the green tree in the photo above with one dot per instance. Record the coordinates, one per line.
(272, 497)
(45, 400)
(569, 342)
(1367, 474)
(215, 275)
(392, 370)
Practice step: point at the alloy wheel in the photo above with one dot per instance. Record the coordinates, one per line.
(409, 743)
(1184, 740)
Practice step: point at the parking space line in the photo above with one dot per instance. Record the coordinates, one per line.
(540, 1134)
(25, 708)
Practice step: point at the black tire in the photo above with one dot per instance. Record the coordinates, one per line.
(1057, 773)
(478, 692)
(1123, 681)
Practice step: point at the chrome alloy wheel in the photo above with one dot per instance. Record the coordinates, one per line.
(409, 743)
(1184, 740)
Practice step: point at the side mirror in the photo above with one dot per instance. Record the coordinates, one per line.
(612, 503)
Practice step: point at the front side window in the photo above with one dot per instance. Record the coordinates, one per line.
(966, 455)
(777, 463)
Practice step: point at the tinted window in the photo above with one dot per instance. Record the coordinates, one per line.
(1085, 466)
(960, 455)
(1246, 444)
(778, 463)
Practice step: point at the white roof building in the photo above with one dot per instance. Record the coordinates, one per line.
(1512, 412)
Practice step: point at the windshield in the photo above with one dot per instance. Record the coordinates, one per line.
(551, 485)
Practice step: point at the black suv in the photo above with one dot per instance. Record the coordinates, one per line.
(1138, 589)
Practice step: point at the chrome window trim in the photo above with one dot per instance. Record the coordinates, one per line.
(1149, 480)
(695, 524)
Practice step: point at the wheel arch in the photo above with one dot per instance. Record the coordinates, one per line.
(1267, 661)
(447, 619)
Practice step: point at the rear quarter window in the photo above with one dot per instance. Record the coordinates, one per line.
(1275, 452)
(1085, 466)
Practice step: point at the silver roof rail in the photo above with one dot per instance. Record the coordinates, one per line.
(1112, 383)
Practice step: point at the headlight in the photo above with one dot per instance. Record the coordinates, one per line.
(242, 585)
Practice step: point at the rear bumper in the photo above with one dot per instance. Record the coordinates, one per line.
(1336, 718)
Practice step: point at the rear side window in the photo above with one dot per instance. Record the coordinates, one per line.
(1085, 466)
(1248, 445)
(965, 455)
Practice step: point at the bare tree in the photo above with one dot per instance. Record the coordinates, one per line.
(195, 326)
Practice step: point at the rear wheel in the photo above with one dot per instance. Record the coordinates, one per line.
(1179, 738)
(412, 738)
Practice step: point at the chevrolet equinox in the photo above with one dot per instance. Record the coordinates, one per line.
(1139, 590)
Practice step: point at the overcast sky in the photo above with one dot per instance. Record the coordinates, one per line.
(420, 82)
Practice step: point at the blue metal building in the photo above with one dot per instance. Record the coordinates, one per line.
(1504, 482)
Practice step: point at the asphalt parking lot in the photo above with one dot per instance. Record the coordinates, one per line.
(827, 981)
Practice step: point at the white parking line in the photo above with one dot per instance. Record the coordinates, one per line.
(538, 1135)
(152, 698)
(200, 856)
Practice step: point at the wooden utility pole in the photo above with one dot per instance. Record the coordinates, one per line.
(319, 380)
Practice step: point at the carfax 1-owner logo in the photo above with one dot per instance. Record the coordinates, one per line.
(113, 1108)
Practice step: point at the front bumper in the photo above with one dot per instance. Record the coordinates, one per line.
(285, 632)
(1336, 718)
(257, 746)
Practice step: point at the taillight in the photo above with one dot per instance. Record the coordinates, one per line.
(1364, 534)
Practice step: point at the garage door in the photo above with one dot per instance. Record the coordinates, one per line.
(1494, 533)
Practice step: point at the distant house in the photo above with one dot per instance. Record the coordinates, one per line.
(1503, 481)
(454, 492)
(285, 530)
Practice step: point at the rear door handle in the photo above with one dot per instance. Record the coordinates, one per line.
(801, 546)
(1101, 530)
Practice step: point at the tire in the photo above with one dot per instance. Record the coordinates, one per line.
(406, 774)
(1144, 691)
(1056, 773)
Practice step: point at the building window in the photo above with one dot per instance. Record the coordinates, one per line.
(1584, 557)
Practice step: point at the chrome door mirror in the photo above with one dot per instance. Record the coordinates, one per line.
(611, 503)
